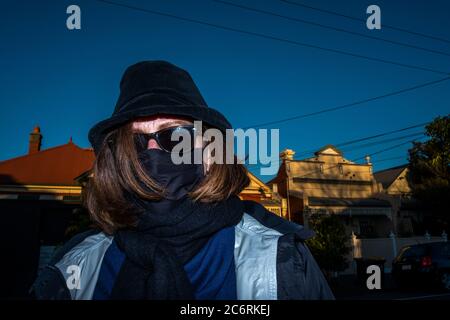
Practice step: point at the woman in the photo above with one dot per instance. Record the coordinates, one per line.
(174, 231)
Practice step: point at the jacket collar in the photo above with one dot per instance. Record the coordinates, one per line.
(275, 222)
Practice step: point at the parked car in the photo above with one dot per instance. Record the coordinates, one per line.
(421, 264)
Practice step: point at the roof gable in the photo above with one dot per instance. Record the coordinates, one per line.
(257, 184)
(329, 150)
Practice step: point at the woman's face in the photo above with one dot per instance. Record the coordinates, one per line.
(156, 123)
(159, 122)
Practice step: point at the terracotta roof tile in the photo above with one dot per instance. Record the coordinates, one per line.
(54, 166)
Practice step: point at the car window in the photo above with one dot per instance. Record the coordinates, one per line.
(402, 252)
(441, 249)
(413, 252)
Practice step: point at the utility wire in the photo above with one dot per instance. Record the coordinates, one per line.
(350, 142)
(359, 19)
(261, 35)
(301, 154)
(320, 25)
(390, 148)
(378, 161)
(381, 134)
(265, 36)
(278, 161)
(351, 104)
(383, 141)
(389, 159)
(362, 157)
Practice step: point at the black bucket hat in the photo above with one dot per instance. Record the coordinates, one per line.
(156, 87)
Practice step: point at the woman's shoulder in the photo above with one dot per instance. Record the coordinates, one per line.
(258, 218)
(81, 245)
(78, 257)
(248, 224)
(282, 243)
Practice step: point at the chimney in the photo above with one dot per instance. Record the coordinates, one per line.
(274, 188)
(34, 145)
(287, 154)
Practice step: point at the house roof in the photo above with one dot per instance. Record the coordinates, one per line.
(54, 166)
(348, 202)
(388, 176)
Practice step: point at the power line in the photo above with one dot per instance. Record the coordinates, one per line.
(363, 157)
(389, 159)
(294, 43)
(407, 45)
(390, 148)
(259, 165)
(381, 134)
(359, 19)
(371, 144)
(346, 150)
(351, 104)
(256, 165)
(384, 141)
(265, 36)
(378, 161)
(346, 143)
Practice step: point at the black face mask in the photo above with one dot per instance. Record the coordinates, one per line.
(177, 180)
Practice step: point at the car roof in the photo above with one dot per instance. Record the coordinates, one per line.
(434, 244)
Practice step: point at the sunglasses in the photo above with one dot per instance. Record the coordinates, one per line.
(164, 138)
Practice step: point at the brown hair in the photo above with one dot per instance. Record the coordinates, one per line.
(118, 172)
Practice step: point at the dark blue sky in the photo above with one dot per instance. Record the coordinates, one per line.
(65, 81)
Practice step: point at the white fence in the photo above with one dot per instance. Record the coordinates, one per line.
(386, 248)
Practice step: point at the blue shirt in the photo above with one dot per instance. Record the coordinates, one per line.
(211, 271)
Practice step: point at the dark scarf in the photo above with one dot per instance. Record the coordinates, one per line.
(169, 234)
